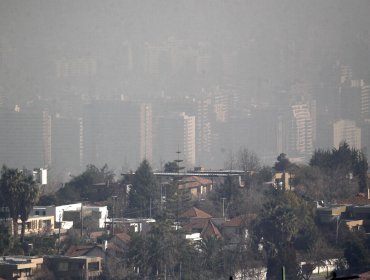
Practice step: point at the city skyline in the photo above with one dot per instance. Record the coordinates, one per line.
(110, 81)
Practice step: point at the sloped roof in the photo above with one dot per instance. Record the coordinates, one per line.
(195, 213)
(211, 230)
(239, 220)
(197, 224)
(205, 227)
(78, 251)
(358, 199)
(123, 236)
(194, 182)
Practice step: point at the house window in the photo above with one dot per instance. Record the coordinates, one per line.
(37, 213)
(93, 266)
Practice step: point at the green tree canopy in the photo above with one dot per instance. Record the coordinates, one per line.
(282, 226)
(144, 196)
(283, 163)
(171, 166)
(77, 188)
(344, 167)
(19, 194)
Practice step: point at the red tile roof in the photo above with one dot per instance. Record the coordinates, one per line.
(359, 199)
(211, 230)
(123, 237)
(77, 251)
(205, 227)
(195, 213)
(197, 224)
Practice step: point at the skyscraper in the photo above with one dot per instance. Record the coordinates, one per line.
(112, 133)
(25, 138)
(346, 130)
(301, 131)
(146, 132)
(176, 131)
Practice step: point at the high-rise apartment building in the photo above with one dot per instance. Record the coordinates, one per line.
(176, 132)
(301, 131)
(365, 100)
(204, 131)
(348, 131)
(112, 133)
(66, 145)
(25, 138)
(146, 132)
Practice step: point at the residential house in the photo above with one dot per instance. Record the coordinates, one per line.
(236, 229)
(93, 217)
(201, 228)
(120, 239)
(34, 225)
(86, 251)
(283, 180)
(194, 213)
(330, 214)
(198, 186)
(19, 267)
(198, 224)
(83, 267)
(57, 212)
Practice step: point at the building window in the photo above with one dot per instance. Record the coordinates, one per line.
(93, 266)
(37, 213)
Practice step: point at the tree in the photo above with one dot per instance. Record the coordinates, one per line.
(144, 196)
(356, 250)
(282, 224)
(283, 163)
(159, 252)
(20, 193)
(4, 239)
(28, 197)
(171, 166)
(78, 189)
(345, 170)
(10, 179)
(211, 255)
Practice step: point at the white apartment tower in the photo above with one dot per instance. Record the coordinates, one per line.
(346, 130)
(146, 132)
(301, 131)
(176, 132)
(189, 139)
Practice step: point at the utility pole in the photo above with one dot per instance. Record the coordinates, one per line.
(223, 207)
(114, 197)
(82, 219)
(150, 207)
(60, 225)
(283, 273)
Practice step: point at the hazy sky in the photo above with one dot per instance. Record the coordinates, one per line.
(35, 34)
